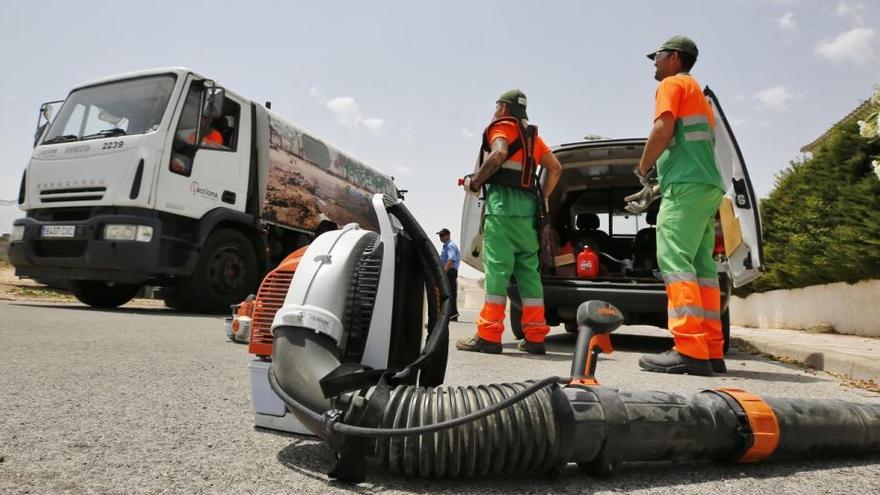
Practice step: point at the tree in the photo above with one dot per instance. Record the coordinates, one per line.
(821, 222)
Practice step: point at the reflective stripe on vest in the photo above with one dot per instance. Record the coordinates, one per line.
(690, 155)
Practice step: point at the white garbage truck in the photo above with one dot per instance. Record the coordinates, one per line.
(163, 177)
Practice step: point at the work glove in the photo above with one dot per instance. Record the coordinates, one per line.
(639, 202)
(466, 183)
(644, 179)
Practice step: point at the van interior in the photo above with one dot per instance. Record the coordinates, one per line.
(587, 209)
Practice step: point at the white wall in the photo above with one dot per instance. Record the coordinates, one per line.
(849, 309)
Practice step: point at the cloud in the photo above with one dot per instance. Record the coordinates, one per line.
(787, 22)
(855, 45)
(348, 112)
(854, 11)
(317, 94)
(375, 126)
(775, 98)
(467, 133)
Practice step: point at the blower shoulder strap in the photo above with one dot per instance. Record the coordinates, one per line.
(513, 147)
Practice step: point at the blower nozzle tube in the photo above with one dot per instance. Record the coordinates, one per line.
(593, 426)
(599, 428)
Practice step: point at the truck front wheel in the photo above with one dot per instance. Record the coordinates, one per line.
(100, 294)
(225, 274)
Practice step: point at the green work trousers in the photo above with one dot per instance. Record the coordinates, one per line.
(510, 247)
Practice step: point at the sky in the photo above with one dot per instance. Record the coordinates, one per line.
(408, 86)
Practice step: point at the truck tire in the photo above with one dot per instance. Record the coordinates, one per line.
(225, 273)
(176, 299)
(100, 294)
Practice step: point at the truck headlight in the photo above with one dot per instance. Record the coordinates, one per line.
(17, 233)
(125, 232)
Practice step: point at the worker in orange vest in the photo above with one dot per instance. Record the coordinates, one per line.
(510, 152)
(682, 145)
(210, 137)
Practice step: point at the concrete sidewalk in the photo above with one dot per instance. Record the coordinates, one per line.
(854, 357)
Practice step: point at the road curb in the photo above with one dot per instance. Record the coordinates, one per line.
(835, 361)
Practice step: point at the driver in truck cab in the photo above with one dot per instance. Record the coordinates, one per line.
(211, 137)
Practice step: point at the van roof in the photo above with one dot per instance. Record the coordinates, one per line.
(597, 143)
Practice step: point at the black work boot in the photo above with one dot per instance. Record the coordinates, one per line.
(718, 365)
(478, 344)
(532, 347)
(673, 362)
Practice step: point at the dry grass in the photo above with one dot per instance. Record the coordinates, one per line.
(845, 380)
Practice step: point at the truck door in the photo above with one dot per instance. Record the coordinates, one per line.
(740, 219)
(208, 163)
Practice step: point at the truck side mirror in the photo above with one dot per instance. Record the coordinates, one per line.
(46, 111)
(214, 96)
(44, 118)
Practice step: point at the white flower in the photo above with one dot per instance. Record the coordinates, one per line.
(876, 164)
(867, 129)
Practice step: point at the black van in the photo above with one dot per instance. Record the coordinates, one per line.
(587, 207)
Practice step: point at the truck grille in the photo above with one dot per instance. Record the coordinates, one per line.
(72, 194)
(60, 249)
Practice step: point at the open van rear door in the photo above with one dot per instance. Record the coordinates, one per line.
(470, 235)
(740, 220)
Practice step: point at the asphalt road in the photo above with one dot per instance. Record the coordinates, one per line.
(144, 400)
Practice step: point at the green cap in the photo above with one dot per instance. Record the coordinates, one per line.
(516, 102)
(677, 43)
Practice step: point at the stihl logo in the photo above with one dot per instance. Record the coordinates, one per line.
(607, 311)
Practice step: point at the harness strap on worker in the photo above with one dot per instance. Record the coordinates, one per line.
(517, 175)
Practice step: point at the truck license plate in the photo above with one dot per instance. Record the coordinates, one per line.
(58, 230)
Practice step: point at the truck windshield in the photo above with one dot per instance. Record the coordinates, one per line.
(133, 106)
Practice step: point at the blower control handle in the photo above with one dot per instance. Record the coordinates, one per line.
(596, 320)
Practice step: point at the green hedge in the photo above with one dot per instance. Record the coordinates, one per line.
(821, 222)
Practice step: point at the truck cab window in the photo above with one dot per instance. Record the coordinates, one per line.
(133, 106)
(196, 131)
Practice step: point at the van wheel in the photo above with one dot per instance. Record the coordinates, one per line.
(725, 328)
(225, 274)
(100, 294)
(515, 312)
(515, 323)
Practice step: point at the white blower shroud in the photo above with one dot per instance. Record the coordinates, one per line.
(355, 309)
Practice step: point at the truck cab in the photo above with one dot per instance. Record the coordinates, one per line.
(587, 209)
(163, 177)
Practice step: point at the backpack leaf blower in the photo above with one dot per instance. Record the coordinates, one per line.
(348, 361)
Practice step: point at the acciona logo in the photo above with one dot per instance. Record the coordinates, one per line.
(204, 192)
